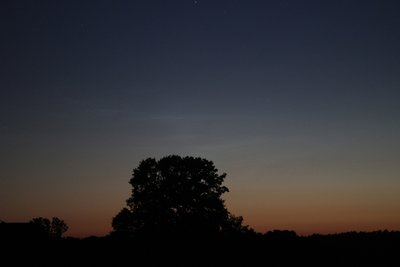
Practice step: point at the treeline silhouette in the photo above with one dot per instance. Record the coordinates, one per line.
(274, 248)
(176, 217)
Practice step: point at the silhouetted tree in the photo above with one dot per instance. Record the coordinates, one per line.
(44, 223)
(235, 225)
(54, 228)
(58, 227)
(176, 194)
(123, 222)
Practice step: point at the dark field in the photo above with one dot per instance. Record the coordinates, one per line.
(276, 248)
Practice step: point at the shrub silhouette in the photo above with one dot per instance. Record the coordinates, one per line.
(176, 195)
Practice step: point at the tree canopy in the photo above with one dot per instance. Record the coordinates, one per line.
(176, 194)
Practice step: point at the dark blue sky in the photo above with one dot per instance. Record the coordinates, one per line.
(291, 94)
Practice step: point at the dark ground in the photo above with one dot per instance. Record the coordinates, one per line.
(280, 248)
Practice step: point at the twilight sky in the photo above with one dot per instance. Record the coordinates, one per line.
(297, 101)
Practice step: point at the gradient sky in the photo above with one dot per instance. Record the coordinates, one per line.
(297, 101)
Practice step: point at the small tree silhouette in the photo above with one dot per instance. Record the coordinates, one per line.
(179, 195)
(54, 228)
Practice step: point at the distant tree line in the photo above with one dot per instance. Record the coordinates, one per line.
(35, 230)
